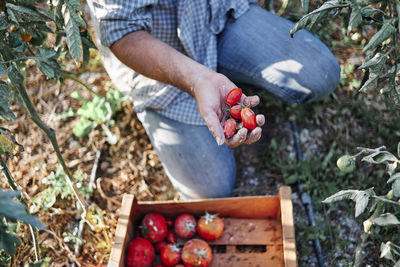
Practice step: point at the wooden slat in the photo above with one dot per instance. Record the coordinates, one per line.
(123, 232)
(273, 257)
(246, 207)
(288, 234)
(250, 232)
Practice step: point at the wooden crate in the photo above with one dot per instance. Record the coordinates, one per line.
(251, 223)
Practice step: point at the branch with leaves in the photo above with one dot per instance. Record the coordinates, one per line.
(381, 52)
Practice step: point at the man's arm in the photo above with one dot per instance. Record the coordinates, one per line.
(155, 59)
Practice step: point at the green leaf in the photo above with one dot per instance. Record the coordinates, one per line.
(386, 251)
(45, 68)
(384, 33)
(386, 219)
(75, 16)
(78, 95)
(15, 210)
(4, 24)
(393, 177)
(83, 127)
(24, 11)
(378, 59)
(355, 17)
(341, 195)
(3, 70)
(15, 76)
(396, 188)
(398, 149)
(75, 5)
(314, 17)
(380, 157)
(361, 199)
(8, 242)
(74, 41)
(5, 111)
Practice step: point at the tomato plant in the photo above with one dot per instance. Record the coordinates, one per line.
(46, 34)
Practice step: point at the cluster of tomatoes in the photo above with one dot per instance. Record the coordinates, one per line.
(158, 235)
(239, 115)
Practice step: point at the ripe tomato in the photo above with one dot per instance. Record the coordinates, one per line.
(159, 265)
(229, 128)
(171, 237)
(140, 253)
(170, 255)
(185, 225)
(196, 253)
(159, 246)
(210, 227)
(233, 96)
(154, 227)
(235, 111)
(248, 118)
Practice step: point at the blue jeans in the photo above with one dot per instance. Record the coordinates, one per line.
(256, 50)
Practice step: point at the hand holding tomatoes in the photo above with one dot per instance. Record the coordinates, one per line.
(242, 124)
(210, 93)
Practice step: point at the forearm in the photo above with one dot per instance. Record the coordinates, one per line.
(154, 59)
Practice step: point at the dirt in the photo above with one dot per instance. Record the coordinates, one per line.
(130, 166)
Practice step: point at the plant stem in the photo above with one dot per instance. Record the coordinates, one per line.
(87, 87)
(52, 136)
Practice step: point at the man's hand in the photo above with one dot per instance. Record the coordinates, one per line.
(155, 59)
(210, 91)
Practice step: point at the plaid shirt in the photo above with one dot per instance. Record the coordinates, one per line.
(190, 26)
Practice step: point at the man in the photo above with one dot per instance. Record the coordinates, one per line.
(178, 59)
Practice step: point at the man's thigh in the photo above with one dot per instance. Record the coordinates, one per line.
(194, 163)
(257, 50)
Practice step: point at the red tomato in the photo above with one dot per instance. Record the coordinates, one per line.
(159, 265)
(140, 253)
(170, 255)
(185, 225)
(170, 222)
(154, 227)
(159, 246)
(233, 96)
(235, 111)
(171, 237)
(229, 128)
(210, 227)
(248, 118)
(179, 265)
(196, 253)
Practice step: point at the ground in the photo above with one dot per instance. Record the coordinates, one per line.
(132, 166)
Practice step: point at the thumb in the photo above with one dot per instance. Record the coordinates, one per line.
(214, 125)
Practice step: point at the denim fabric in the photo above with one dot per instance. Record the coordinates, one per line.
(196, 166)
(257, 50)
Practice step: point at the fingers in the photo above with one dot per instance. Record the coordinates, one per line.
(253, 136)
(213, 123)
(260, 120)
(238, 139)
(251, 101)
